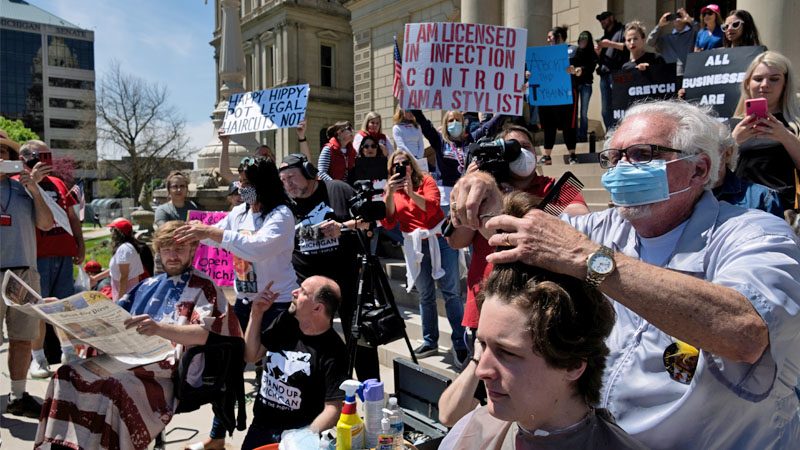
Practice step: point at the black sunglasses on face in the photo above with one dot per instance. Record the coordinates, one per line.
(369, 146)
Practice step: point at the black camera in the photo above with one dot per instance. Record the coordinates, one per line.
(363, 205)
(494, 156)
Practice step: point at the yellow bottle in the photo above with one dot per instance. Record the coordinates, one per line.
(350, 432)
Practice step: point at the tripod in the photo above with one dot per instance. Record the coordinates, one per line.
(373, 287)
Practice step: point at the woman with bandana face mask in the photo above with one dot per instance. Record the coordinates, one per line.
(255, 232)
(451, 146)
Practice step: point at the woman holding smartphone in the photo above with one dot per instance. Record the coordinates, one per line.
(412, 200)
(767, 131)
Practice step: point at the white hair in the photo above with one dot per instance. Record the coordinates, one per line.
(726, 141)
(696, 130)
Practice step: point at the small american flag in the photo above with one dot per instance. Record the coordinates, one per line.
(77, 194)
(397, 85)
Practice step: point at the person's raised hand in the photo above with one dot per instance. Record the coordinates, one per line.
(664, 20)
(192, 232)
(40, 170)
(301, 129)
(224, 138)
(396, 183)
(746, 129)
(264, 301)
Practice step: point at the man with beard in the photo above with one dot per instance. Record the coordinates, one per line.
(134, 405)
(693, 281)
(321, 247)
(304, 363)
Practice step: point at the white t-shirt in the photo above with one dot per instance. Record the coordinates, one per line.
(125, 254)
(262, 250)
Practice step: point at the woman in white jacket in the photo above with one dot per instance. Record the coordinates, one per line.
(255, 232)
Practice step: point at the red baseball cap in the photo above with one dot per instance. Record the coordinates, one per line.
(123, 225)
(92, 267)
(711, 7)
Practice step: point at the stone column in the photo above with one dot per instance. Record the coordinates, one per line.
(535, 16)
(481, 11)
(776, 25)
(231, 75)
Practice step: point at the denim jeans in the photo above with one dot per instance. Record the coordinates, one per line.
(584, 94)
(449, 285)
(605, 100)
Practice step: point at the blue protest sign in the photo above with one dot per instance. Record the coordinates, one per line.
(549, 83)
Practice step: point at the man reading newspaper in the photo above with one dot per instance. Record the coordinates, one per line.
(128, 408)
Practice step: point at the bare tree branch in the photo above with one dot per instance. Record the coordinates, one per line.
(134, 118)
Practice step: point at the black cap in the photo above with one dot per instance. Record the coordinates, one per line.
(293, 160)
(604, 15)
(233, 189)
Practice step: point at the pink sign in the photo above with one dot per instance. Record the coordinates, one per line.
(215, 262)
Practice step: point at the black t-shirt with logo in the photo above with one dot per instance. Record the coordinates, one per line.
(335, 258)
(301, 373)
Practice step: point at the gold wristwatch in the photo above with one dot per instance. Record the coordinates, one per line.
(599, 265)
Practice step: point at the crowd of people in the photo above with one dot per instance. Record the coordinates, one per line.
(667, 321)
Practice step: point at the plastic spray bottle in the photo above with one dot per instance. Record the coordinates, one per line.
(373, 410)
(350, 428)
(386, 437)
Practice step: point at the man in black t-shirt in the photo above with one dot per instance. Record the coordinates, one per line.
(304, 363)
(321, 214)
(612, 54)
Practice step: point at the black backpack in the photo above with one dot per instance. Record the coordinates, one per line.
(146, 255)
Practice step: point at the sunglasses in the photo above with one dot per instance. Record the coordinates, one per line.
(733, 25)
(369, 146)
(708, 13)
(249, 161)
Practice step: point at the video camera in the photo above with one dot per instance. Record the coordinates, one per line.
(363, 206)
(494, 156)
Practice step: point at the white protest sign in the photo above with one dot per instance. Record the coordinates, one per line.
(463, 66)
(282, 107)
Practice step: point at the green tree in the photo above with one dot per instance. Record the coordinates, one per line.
(122, 186)
(17, 130)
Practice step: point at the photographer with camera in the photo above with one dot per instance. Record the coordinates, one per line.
(520, 175)
(322, 244)
(412, 200)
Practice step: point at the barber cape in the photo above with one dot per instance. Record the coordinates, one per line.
(412, 252)
(89, 407)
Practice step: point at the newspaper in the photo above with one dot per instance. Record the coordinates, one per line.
(91, 318)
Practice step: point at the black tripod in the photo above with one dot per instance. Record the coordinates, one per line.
(373, 288)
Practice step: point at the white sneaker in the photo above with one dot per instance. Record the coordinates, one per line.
(40, 369)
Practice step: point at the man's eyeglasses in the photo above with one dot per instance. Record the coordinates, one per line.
(635, 154)
(733, 25)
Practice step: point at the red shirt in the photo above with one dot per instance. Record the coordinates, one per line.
(479, 269)
(409, 215)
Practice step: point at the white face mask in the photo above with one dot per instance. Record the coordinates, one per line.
(524, 165)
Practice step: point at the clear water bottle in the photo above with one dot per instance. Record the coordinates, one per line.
(396, 423)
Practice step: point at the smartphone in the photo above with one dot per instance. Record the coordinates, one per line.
(756, 107)
(401, 169)
(46, 158)
(671, 17)
(11, 166)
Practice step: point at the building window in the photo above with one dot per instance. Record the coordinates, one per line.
(72, 144)
(70, 83)
(326, 65)
(69, 104)
(64, 123)
(70, 53)
(21, 90)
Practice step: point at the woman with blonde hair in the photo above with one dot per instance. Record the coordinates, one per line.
(450, 145)
(372, 127)
(407, 134)
(412, 200)
(769, 146)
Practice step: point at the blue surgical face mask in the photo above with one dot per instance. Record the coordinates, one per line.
(454, 129)
(249, 194)
(639, 184)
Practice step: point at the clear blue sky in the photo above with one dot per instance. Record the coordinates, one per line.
(164, 41)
